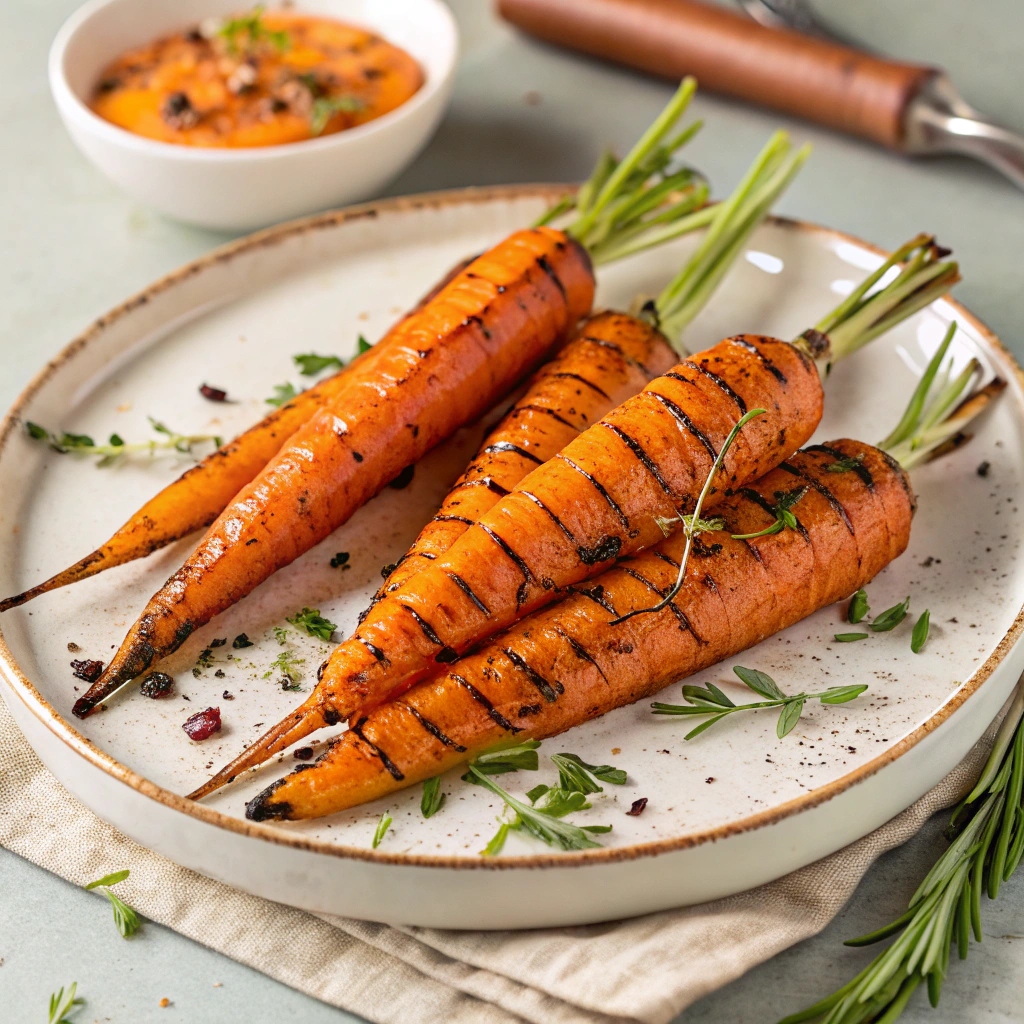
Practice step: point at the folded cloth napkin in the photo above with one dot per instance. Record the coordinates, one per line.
(647, 969)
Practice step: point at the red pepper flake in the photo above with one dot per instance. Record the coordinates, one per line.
(89, 671)
(203, 724)
(638, 807)
(303, 753)
(157, 684)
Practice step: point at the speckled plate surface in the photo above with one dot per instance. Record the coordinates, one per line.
(726, 811)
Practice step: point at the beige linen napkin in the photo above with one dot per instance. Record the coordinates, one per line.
(647, 969)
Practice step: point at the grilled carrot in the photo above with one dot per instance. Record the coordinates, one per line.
(567, 664)
(494, 322)
(195, 499)
(605, 496)
(610, 360)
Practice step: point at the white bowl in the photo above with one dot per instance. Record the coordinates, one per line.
(242, 189)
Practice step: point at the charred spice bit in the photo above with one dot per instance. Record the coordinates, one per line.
(219, 674)
(983, 469)
(156, 685)
(213, 394)
(73, 648)
(303, 753)
(203, 724)
(637, 808)
(178, 112)
(241, 641)
(219, 642)
(340, 561)
(403, 479)
(227, 696)
(205, 660)
(710, 779)
(89, 671)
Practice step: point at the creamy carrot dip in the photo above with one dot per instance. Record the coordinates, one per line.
(256, 79)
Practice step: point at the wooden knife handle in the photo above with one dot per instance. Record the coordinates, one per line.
(731, 54)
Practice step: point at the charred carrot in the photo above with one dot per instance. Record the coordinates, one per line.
(448, 364)
(567, 664)
(195, 499)
(605, 496)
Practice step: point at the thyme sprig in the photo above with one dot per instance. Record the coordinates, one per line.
(986, 834)
(693, 527)
(784, 518)
(126, 919)
(63, 1003)
(116, 447)
(712, 703)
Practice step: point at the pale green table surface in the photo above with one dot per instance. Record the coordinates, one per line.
(71, 246)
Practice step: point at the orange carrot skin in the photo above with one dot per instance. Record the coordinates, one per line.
(565, 665)
(612, 357)
(597, 500)
(195, 499)
(446, 366)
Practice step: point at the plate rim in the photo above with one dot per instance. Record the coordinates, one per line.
(51, 719)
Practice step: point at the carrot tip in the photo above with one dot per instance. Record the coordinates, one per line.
(262, 808)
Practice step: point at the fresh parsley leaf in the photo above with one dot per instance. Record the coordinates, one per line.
(310, 364)
(382, 828)
(760, 682)
(40, 434)
(126, 919)
(920, 635)
(859, 606)
(283, 393)
(891, 617)
(312, 622)
(433, 799)
(116, 441)
(363, 345)
(280, 635)
(243, 33)
(849, 638)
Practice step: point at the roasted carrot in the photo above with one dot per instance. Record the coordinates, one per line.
(605, 496)
(195, 499)
(610, 360)
(453, 359)
(567, 664)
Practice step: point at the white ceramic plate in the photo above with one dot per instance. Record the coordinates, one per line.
(726, 812)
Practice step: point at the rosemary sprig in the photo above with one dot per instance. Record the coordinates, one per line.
(126, 919)
(695, 520)
(63, 1003)
(116, 447)
(714, 705)
(986, 835)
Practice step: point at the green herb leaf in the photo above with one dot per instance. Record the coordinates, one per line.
(709, 695)
(310, 364)
(760, 682)
(382, 827)
(575, 775)
(363, 345)
(849, 638)
(111, 879)
(559, 802)
(433, 799)
(533, 795)
(325, 107)
(859, 606)
(280, 635)
(312, 622)
(116, 441)
(243, 33)
(784, 518)
(497, 842)
(116, 447)
(790, 715)
(283, 393)
(40, 434)
(842, 694)
(920, 635)
(845, 464)
(61, 1004)
(504, 758)
(891, 617)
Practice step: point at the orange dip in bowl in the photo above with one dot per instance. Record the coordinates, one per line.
(257, 79)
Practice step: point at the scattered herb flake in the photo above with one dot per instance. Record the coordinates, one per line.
(363, 345)
(850, 638)
(283, 393)
(312, 622)
(61, 1004)
(891, 617)
(433, 799)
(310, 364)
(845, 464)
(287, 664)
(126, 919)
(859, 606)
(241, 641)
(325, 107)
(382, 828)
(920, 635)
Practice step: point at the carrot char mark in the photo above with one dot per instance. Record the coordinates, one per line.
(604, 550)
(516, 558)
(374, 650)
(468, 591)
(495, 715)
(719, 382)
(542, 262)
(599, 487)
(817, 485)
(434, 730)
(549, 691)
(856, 466)
(768, 364)
(507, 446)
(637, 449)
(479, 323)
(686, 422)
(582, 380)
(551, 515)
(428, 630)
(393, 770)
(580, 651)
(547, 412)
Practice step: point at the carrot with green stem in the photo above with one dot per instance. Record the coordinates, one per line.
(607, 495)
(633, 210)
(445, 366)
(619, 640)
